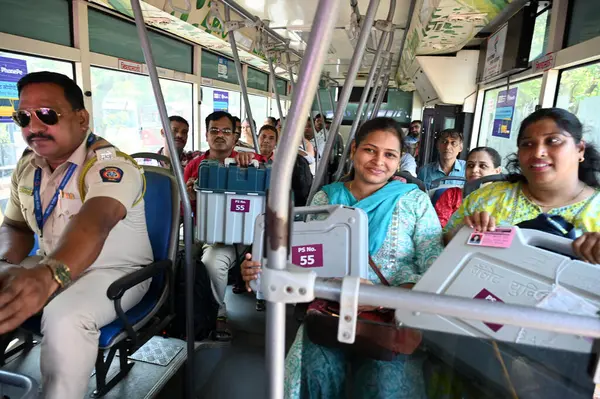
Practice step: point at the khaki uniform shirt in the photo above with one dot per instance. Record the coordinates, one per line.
(111, 176)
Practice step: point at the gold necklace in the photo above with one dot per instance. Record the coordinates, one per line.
(530, 197)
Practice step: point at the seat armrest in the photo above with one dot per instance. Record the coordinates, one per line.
(118, 288)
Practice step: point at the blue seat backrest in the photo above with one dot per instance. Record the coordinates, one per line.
(159, 212)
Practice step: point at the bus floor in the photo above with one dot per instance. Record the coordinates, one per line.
(226, 371)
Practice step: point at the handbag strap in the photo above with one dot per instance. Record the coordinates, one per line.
(378, 272)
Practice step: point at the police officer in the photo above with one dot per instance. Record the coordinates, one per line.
(85, 203)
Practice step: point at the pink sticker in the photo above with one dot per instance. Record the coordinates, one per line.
(488, 296)
(501, 238)
(308, 255)
(240, 205)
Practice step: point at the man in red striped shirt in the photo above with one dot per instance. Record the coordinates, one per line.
(219, 258)
(221, 138)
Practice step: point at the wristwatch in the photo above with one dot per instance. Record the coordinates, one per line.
(60, 271)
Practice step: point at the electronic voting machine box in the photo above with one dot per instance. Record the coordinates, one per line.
(333, 241)
(228, 200)
(522, 267)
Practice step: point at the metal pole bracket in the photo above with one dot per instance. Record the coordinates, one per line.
(237, 25)
(286, 286)
(384, 25)
(348, 309)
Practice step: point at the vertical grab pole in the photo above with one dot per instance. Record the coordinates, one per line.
(411, 10)
(368, 84)
(320, 105)
(187, 206)
(380, 74)
(277, 213)
(384, 86)
(240, 73)
(332, 102)
(344, 97)
(274, 86)
(365, 114)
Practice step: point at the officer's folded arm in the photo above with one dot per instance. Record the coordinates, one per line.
(78, 247)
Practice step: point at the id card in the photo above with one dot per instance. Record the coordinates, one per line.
(501, 238)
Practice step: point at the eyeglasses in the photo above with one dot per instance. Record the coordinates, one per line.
(452, 143)
(215, 130)
(47, 116)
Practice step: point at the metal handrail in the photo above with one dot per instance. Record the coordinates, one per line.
(278, 204)
(240, 73)
(185, 201)
(344, 96)
(363, 97)
(274, 86)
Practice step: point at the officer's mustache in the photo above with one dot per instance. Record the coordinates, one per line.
(34, 136)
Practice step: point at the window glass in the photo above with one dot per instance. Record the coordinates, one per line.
(125, 111)
(584, 21)
(282, 86)
(116, 37)
(259, 108)
(258, 80)
(47, 20)
(579, 92)
(495, 131)
(540, 36)
(215, 100)
(219, 68)
(12, 144)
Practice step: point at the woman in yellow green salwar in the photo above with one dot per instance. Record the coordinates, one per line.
(555, 173)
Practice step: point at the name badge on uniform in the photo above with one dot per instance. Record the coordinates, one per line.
(26, 190)
(106, 154)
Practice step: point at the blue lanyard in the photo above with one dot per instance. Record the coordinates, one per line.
(37, 202)
(37, 182)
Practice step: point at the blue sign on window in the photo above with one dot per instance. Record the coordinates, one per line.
(220, 101)
(11, 71)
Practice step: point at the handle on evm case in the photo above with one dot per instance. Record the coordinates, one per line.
(549, 242)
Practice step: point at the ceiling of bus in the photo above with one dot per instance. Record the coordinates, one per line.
(437, 27)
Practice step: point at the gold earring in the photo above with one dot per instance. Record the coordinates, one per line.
(581, 159)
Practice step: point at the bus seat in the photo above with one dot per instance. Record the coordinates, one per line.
(333, 244)
(19, 386)
(439, 186)
(133, 328)
(471, 186)
(411, 179)
(521, 274)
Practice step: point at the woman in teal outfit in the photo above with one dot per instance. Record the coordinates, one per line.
(404, 240)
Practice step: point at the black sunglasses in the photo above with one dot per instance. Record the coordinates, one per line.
(47, 116)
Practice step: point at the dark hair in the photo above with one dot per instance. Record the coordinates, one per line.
(215, 116)
(236, 120)
(180, 119)
(452, 133)
(271, 128)
(272, 119)
(417, 121)
(318, 116)
(496, 158)
(73, 93)
(370, 126)
(588, 169)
